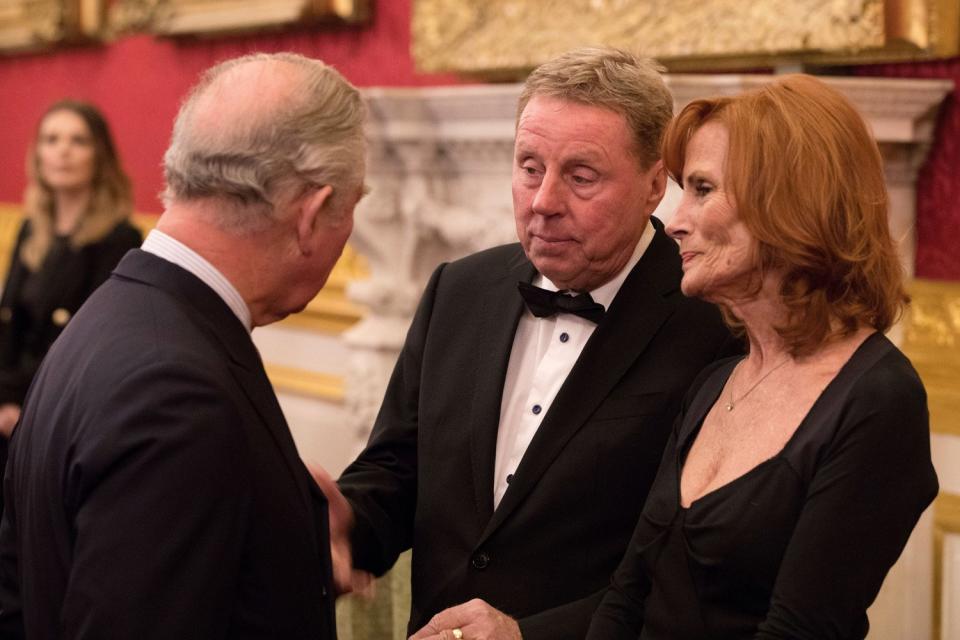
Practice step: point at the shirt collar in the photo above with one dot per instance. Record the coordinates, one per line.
(605, 293)
(172, 250)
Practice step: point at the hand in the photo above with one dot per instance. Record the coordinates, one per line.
(476, 620)
(345, 578)
(9, 414)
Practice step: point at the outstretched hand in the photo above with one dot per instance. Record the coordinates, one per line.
(476, 620)
(346, 579)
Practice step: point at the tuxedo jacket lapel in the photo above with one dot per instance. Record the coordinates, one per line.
(634, 317)
(501, 310)
(212, 314)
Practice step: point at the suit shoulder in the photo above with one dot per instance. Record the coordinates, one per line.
(490, 263)
(505, 256)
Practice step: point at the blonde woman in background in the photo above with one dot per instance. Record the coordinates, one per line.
(76, 207)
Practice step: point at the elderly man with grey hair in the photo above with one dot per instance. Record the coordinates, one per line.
(529, 408)
(153, 488)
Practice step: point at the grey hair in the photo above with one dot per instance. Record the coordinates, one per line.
(314, 137)
(614, 79)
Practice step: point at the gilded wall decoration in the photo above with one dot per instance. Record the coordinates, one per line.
(213, 17)
(27, 25)
(511, 36)
(931, 339)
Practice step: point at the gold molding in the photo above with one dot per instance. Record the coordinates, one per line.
(27, 25)
(312, 384)
(946, 520)
(216, 17)
(508, 37)
(931, 339)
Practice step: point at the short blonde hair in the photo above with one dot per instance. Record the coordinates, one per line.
(807, 180)
(613, 79)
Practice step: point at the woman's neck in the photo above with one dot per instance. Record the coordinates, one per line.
(760, 313)
(69, 207)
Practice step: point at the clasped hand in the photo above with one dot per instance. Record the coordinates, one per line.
(476, 620)
(346, 579)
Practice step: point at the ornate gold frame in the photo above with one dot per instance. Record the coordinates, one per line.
(37, 24)
(214, 17)
(931, 339)
(508, 37)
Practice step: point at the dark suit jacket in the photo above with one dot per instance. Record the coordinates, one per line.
(153, 487)
(36, 305)
(426, 477)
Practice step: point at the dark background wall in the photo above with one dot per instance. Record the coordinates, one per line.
(139, 80)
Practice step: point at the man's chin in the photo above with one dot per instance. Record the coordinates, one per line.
(557, 271)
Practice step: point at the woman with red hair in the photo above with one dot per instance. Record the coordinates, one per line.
(795, 474)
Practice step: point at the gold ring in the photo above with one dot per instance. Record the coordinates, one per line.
(458, 634)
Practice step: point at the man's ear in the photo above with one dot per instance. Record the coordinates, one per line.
(657, 175)
(308, 215)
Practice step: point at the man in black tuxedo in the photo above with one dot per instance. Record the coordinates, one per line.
(153, 488)
(517, 442)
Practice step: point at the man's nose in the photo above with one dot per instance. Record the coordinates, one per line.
(549, 198)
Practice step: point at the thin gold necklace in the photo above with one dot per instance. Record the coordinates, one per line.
(731, 403)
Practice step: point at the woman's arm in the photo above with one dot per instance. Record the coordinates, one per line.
(872, 485)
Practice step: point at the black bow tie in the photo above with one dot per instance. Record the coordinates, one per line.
(543, 303)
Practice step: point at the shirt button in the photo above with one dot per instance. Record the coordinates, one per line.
(480, 561)
(537, 409)
(509, 478)
(564, 336)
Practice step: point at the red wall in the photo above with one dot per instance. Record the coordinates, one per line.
(138, 81)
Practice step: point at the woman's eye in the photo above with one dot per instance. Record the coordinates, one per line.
(702, 188)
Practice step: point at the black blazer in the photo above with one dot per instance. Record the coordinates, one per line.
(36, 305)
(425, 480)
(153, 488)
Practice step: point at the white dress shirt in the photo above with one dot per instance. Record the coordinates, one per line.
(172, 250)
(544, 351)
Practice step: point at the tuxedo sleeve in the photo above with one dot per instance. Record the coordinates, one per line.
(381, 484)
